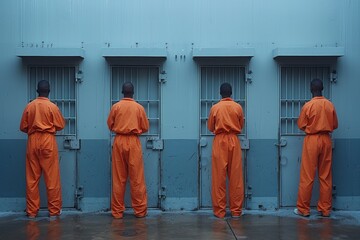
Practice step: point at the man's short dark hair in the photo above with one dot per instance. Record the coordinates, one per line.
(43, 87)
(317, 85)
(128, 88)
(225, 89)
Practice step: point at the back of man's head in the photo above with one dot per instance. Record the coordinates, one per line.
(128, 89)
(225, 90)
(43, 88)
(316, 85)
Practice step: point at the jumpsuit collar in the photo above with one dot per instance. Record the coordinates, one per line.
(319, 97)
(43, 98)
(128, 99)
(226, 99)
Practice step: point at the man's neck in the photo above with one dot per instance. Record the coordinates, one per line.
(317, 95)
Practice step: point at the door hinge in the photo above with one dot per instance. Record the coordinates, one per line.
(79, 76)
(71, 142)
(248, 77)
(248, 193)
(162, 77)
(334, 191)
(333, 76)
(162, 193)
(154, 143)
(79, 192)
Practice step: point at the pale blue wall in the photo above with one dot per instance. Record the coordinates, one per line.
(179, 26)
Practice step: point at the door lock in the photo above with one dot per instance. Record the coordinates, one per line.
(281, 143)
(154, 143)
(71, 142)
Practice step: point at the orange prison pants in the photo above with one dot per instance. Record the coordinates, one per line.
(42, 156)
(226, 159)
(127, 161)
(316, 154)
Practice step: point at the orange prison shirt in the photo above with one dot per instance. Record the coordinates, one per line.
(318, 116)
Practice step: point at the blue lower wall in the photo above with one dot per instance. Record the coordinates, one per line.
(346, 167)
(262, 168)
(262, 174)
(12, 168)
(94, 175)
(95, 168)
(179, 174)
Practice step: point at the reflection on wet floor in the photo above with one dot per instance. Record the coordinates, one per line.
(178, 225)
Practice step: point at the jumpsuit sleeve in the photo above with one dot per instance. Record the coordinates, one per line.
(110, 121)
(59, 121)
(144, 122)
(302, 120)
(241, 120)
(24, 121)
(211, 121)
(335, 120)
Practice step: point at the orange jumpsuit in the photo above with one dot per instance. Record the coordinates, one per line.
(40, 120)
(318, 119)
(226, 120)
(128, 120)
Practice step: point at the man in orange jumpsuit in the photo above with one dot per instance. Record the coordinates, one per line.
(128, 120)
(226, 120)
(317, 119)
(40, 120)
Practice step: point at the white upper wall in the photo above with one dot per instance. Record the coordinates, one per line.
(179, 26)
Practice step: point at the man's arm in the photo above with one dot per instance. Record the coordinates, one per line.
(144, 122)
(302, 120)
(110, 120)
(241, 119)
(59, 121)
(24, 121)
(335, 120)
(211, 121)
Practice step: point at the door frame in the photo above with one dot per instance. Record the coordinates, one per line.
(149, 137)
(243, 137)
(71, 139)
(298, 62)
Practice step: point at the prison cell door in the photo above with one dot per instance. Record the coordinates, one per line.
(147, 93)
(294, 92)
(211, 77)
(63, 94)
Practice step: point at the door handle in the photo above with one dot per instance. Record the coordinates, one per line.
(154, 143)
(203, 142)
(281, 143)
(71, 142)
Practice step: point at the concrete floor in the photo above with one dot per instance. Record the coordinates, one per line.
(282, 224)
